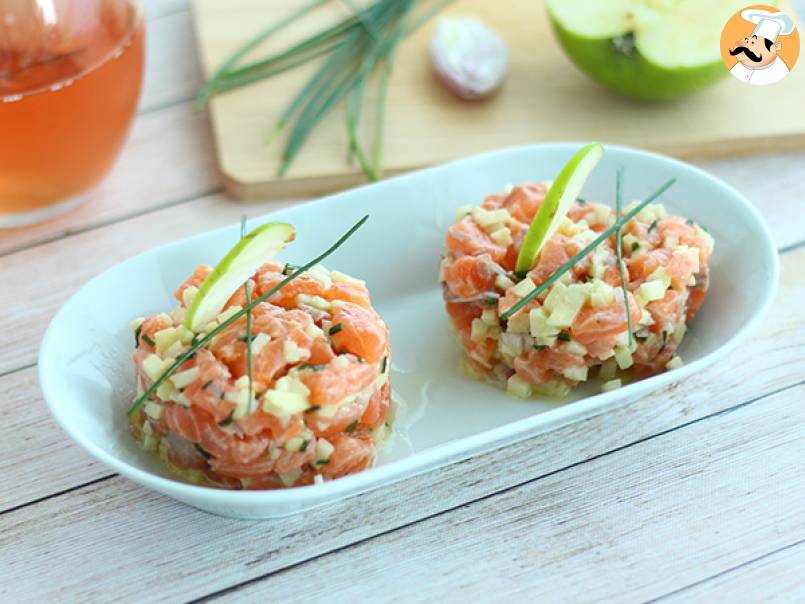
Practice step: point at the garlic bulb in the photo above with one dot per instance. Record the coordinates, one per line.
(469, 57)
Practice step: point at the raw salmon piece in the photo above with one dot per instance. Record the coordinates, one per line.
(286, 297)
(466, 238)
(347, 414)
(208, 390)
(239, 297)
(666, 312)
(518, 231)
(350, 454)
(462, 314)
(695, 300)
(480, 353)
(681, 270)
(258, 470)
(493, 202)
(195, 280)
(291, 460)
(580, 211)
(531, 369)
(597, 328)
(150, 327)
(332, 383)
(362, 332)
(279, 430)
(524, 201)
(185, 422)
(321, 351)
(349, 291)
(227, 447)
(470, 276)
(553, 255)
(650, 238)
(510, 298)
(640, 267)
(378, 408)
(687, 234)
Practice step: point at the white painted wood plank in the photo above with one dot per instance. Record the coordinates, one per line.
(128, 520)
(627, 527)
(775, 184)
(156, 9)
(36, 457)
(172, 72)
(777, 577)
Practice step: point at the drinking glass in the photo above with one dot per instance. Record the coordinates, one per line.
(70, 76)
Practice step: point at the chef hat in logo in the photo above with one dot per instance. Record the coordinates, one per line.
(768, 25)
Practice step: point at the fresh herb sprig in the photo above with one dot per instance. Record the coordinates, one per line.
(352, 49)
(201, 342)
(595, 243)
(619, 249)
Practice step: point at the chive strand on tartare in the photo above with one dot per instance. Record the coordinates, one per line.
(199, 343)
(596, 242)
(249, 338)
(619, 249)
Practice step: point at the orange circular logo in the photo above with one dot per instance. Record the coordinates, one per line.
(760, 44)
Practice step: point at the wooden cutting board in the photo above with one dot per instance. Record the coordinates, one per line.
(544, 99)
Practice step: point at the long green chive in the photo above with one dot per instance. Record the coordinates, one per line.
(318, 107)
(336, 328)
(248, 291)
(228, 419)
(352, 116)
(596, 242)
(209, 88)
(619, 249)
(204, 340)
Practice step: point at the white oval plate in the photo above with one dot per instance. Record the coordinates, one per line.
(85, 360)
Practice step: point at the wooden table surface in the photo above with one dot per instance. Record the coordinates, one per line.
(693, 493)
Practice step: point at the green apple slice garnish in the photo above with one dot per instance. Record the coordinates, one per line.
(563, 192)
(251, 252)
(645, 49)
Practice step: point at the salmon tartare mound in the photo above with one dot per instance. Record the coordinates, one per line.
(577, 328)
(320, 394)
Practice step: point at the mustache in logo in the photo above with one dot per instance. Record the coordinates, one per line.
(743, 49)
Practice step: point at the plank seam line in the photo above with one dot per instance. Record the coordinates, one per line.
(57, 494)
(727, 571)
(727, 411)
(70, 232)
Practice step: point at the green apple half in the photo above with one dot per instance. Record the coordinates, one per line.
(645, 49)
(251, 252)
(553, 209)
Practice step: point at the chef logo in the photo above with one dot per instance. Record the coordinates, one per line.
(760, 45)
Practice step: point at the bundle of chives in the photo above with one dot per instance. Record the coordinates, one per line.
(352, 48)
